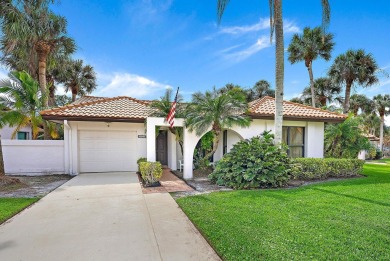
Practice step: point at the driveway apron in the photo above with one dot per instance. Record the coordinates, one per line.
(103, 216)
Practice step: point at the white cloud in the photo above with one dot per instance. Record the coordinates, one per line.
(261, 25)
(237, 56)
(126, 84)
(289, 27)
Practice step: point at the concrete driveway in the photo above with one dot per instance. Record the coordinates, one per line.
(103, 216)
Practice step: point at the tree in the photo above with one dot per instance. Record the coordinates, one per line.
(371, 123)
(276, 24)
(308, 47)
(79, 79)
(31, 23)
(346, 139)
(20, 101)
(360, 101)
(353, 67)
(217, 111)
(382, 105)
(324, 90)
(62, 100)
(163, 107)
(260, 89)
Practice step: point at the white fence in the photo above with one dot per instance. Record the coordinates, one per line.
(33, 157)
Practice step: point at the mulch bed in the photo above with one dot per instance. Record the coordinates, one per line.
(32, 186)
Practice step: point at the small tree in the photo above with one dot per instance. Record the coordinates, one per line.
(216, 111)
(345, 140)
(382, 106)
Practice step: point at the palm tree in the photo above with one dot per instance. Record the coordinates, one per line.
(262, 88)
(163, 107)
(79, 79)
(20, 101)
(308, 47)
(360, 101)
(31, 23)
(382, 105)
(324, 90)
(217, 111)
(276, 24)
(353, 67)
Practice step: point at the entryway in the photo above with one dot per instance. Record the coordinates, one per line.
(162, 147)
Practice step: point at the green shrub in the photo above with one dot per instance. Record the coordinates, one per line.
(254, 163)
(151, 172)
(139, 161)
(311, 169)
(378, 154)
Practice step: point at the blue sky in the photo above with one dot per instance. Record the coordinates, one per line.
(141, 47)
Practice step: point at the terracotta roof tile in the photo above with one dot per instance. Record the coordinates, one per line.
(265, 107)
(87, 99)
(115, 108)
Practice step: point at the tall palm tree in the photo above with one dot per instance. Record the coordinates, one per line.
(382, 105)
(276, 24)
(163, 107)
(308, 47)
(362, 102)
(79, 79)
(371, 123)
(260, 89)
(324, 90)
(353, 67)
(20, 101)
(31, 23)
(217, 111)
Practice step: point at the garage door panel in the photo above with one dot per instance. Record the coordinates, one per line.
(104, 151)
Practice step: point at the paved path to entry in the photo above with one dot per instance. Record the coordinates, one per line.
(103, 216)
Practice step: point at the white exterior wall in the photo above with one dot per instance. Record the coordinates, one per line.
(6, 132)
(72, 129)
(33, 157)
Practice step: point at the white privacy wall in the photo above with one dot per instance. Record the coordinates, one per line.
(33, 157)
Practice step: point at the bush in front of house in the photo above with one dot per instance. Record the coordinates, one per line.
(312, 169)
(139, 161)
(254, 163)
(151, 172)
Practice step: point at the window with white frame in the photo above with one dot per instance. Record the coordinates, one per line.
(294, 137)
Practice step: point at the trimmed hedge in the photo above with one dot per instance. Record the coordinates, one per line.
(151, 172)
(139, 161)
(311, 168)
(254, 163)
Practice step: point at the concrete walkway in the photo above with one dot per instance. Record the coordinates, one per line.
(103, 217)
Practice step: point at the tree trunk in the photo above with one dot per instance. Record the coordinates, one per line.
(381, 132)
(313, 94)
(217, 137)
(279, 70)
(52, 89)
(174, 131)
(323, 101)
(43, 50)
(348, 86)
(2, 172)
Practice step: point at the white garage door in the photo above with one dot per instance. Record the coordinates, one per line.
(105, 151)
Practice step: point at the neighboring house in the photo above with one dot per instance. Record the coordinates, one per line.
(23, 134)
(110, 134)
(374, 140)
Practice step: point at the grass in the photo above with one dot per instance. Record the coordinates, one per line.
(340, 220)
(11, 206)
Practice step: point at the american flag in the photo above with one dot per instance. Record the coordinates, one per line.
(172, 112)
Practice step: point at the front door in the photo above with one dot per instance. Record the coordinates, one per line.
(162, 147)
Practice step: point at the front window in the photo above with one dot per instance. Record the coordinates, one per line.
(22, 135)
(294, 137)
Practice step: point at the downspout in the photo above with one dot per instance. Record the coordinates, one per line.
(70, 153)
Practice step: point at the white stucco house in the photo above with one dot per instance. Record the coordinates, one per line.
(22, 134)
(110, 134)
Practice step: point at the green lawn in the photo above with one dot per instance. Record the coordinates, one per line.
(11, 206)
(341, 220)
